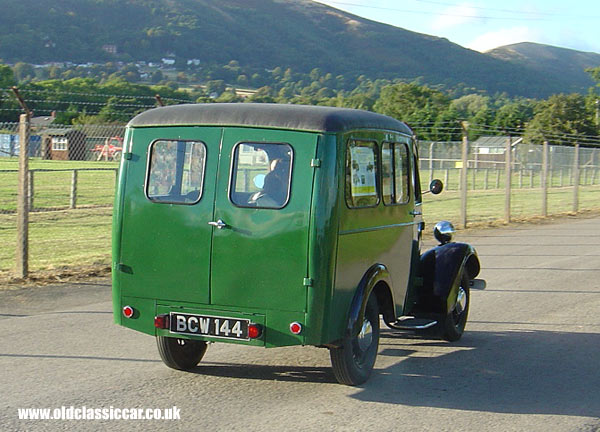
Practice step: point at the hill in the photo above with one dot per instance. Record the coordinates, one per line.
(300, 34)
(565, 63)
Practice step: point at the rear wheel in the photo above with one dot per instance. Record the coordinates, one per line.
(353, 362)
(453, 326)
(181, 354)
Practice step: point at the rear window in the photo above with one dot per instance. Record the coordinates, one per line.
(261, 175)
(176, 171)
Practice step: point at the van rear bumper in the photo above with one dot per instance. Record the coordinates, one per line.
(275, 324)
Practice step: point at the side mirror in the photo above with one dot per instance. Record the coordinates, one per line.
(443, 232)
(436, 186)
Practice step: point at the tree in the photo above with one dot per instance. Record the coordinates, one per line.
(24, 72)
(7, 77)
(156, 77)
(595, 74)
(514, 115)
(562, 119)
(215, 87)
(262, 95)
(419, 106)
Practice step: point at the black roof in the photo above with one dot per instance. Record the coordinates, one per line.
(296, 117)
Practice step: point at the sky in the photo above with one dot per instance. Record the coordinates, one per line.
(488, 24)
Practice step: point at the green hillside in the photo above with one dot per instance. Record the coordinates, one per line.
(299, 34)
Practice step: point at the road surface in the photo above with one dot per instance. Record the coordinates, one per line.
(529, 361)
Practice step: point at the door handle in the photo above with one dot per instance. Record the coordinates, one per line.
(219, 224)
(415, 213)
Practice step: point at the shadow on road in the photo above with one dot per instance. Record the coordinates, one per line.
(516, 372)
(266, 372)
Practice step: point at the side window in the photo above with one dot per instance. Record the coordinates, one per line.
(361, 174)
(417, 180)
(395, 173)
(387, 173)
(261, 175)
(176, 171)
(401, 173)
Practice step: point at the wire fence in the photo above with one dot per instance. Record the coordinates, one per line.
(72, 174)
(71, 182)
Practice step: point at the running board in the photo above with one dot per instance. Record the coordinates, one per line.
(477, 284)
(412, 323)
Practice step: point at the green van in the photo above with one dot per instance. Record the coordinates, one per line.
(278, 225)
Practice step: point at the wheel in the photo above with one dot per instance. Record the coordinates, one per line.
(353, 362)
(453, 325)
(181, 354)
(116, 156)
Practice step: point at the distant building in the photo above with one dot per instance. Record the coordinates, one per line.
(193, 62)
(43, 121)
(109, 48)
(168, 61)
(63, 144)
(489, 151)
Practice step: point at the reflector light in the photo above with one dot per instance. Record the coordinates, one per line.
(128, 311)
(296, 328)
(161, 321)
(254, 331)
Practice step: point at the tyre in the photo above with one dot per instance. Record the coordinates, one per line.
(454, 323)
(353, 362)
(180, 354)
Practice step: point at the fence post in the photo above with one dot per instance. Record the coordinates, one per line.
(561, 183)
(520, 178)
(575, 176)
(446, 177)
(22, 257)
(544, 179)
(485, 178)
(463, 175)
(73, 189)
(531, 178)
(508, 183)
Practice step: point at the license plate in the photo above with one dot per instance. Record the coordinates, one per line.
(204, 325)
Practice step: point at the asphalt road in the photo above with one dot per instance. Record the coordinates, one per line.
(529, 361)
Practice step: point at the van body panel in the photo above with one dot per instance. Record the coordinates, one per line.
(323, 241)
(381, 234)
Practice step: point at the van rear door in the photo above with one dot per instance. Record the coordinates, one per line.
(168, 199)
(261, 219)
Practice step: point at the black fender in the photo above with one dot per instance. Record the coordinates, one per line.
(376, 274)
(440, 268)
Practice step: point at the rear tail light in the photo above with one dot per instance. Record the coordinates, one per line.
(296, 328)
(128, 311)
(161, 321)
(254, 331)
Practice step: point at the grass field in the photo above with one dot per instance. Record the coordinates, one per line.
(52, 183)
(81, 237)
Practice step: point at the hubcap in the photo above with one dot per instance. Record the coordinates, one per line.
(461, 301)
(365, 337)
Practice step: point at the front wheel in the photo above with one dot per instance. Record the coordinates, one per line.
(455, 321)
(353, 362)
(180, 354)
